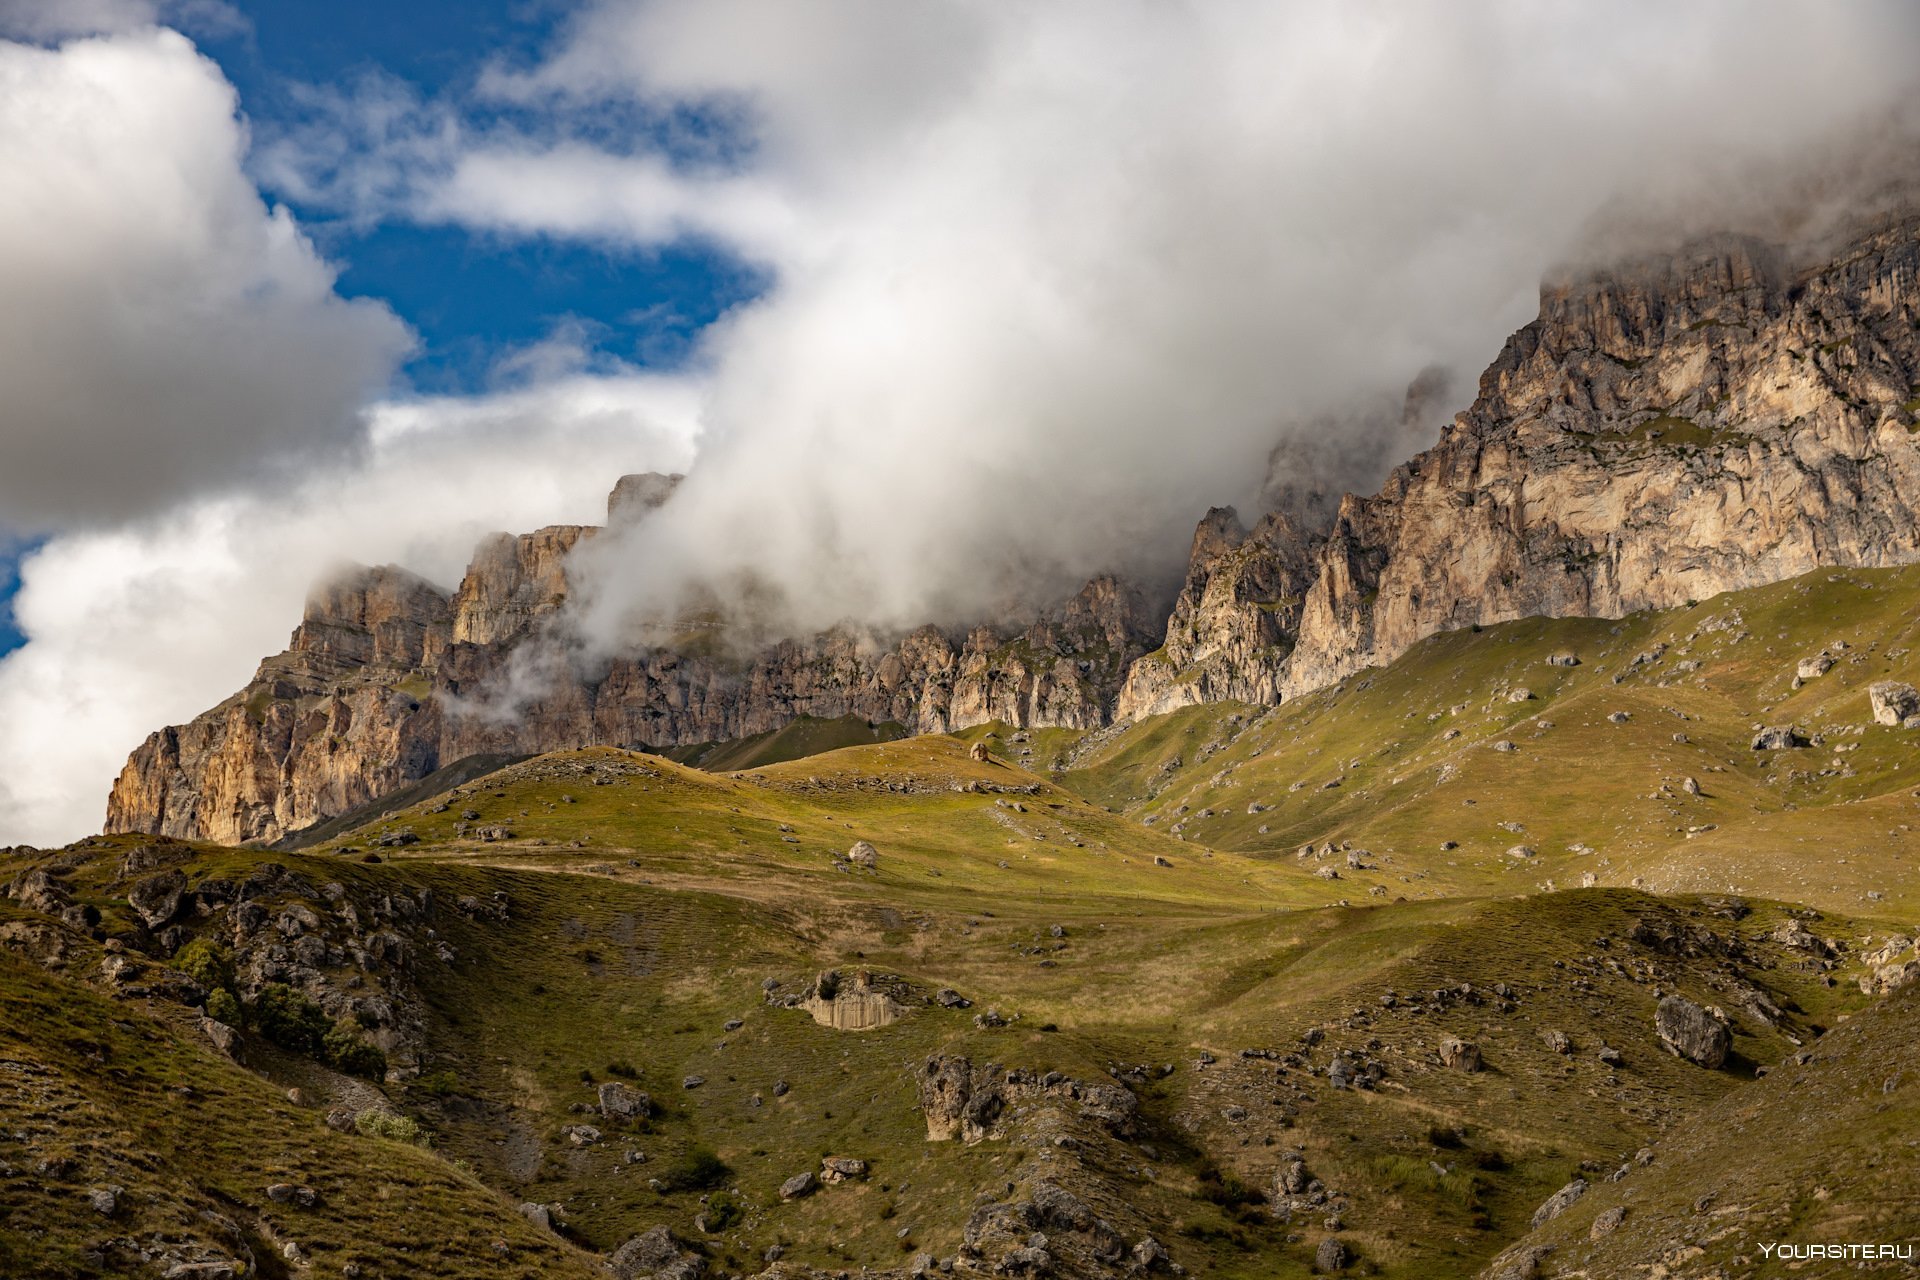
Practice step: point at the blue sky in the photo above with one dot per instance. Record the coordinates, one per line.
(472, 298)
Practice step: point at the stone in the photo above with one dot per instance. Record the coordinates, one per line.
(800, 1184)
(1690, 785)
(623, 1102)
(538, 1214)
(1521, 694)
(1813, 668)
(157, 898)
(1459, 1055)
(1332, 1255)
(1688, 1031)
(979, 753)
(863, 854)
(1557, 1042)
(581, 1135)
(1893, 702)
(1607, 1222)
(293, 1194)
(1563, 659)
(105, 1201)
(692, 1082)
(1060, 1209)
(1778, 738)
(655, 1255)
(1558, 1203)
(837, 1169)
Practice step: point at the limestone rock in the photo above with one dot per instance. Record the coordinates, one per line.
(800, 1184)
(655, 1255)
(1688, 1031)
(1459, 1055)
(1893, 702)
(157, 898)
(1559, 1202)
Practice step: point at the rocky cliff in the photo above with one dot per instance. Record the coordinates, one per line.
(1724, 418)
(388, 678)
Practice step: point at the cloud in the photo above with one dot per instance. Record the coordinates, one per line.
(151, 622)
(1050, 279)
(166, 333)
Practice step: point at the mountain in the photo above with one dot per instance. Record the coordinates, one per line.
(1357, 984)
(1664, 431)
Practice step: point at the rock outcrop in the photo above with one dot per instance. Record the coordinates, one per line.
(389, 678)
(1721, 419)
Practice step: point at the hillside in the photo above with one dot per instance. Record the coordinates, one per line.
(1072, 990)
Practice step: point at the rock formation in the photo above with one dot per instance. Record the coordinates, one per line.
(1723, 418)
(388, 678)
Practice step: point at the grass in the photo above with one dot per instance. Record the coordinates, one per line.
(647, 904)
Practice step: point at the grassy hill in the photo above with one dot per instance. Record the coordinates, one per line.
(1128, 911)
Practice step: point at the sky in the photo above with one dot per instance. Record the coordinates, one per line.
(944, 308)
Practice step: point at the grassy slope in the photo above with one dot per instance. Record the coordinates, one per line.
(130, 1094)
(1818, 825)
(650, 901)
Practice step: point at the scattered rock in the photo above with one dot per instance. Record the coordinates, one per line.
(863, 855)
(1460, 1055)
(1332, 1255)
(1557, 1041)
(289, 1193)
(655, 1255)
(800, 1184)
(693, 1082)
(1813, 668)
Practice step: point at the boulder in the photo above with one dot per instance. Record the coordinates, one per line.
(1688, 1031)
(623, 1102)
(1558, 1203)
(1332, 1255)
(1813, 668)
(1607, 1222)
(1779, 737)
(863, 855)
(1460, 1055)
(655, 1255)
(835, 1169)
(157, 898)
(979, 752)
(800, 1184)
(1893, 702)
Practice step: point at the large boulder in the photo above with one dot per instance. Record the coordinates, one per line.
(1893, 702)
(1778, 737)
(622, 1102)
(1559, 1202)
(1460, 1055)
(1688, 1031)
(157, 898)
(655, 1255)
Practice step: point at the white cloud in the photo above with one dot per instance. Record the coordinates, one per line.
(1050, 279)
(165, 333)
(152, 622)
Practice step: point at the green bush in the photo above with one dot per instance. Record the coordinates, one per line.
(346, 1051)
(379, 1124)
(438, 1084)
(698, 1170)
(224, 1006)
(722, 1211)
(290, 1020)
(206, 962)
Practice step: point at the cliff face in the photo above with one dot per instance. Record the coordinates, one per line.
(1721, 419)
(1718, 420)
(388, 678)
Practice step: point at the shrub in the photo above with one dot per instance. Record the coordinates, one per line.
(625, 1070)
(290, 1020)
(438, 1084)
(206, 962)
(223, 1006)
(722, 1211)
(698, 1170)
(381, 1124)
(346, 1051)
